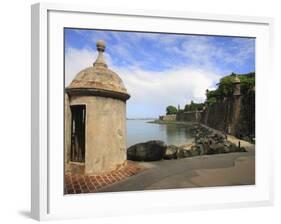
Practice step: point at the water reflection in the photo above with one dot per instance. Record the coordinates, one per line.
(141, 131)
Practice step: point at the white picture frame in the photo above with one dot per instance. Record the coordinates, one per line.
(48, 201)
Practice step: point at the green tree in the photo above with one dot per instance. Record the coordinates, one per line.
(225, 86)
(194, 106)
(187, 107)
(211, 100)
(171, 110)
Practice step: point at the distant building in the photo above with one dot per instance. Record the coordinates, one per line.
(169, 117)
(95, 119)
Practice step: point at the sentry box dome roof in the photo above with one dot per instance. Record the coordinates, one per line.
(98, 79)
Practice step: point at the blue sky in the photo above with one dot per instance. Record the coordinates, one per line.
(160, 69)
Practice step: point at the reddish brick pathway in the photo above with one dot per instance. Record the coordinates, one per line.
(78, 183)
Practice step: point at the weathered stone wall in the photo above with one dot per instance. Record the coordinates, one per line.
(194, 116)
(218, 115)
(246, 124)
(234, 115)
(105, 143)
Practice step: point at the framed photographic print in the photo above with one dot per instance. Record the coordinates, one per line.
(164, 108)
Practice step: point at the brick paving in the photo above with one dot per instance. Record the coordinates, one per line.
(79, 183)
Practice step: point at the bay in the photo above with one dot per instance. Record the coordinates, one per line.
(172, 134)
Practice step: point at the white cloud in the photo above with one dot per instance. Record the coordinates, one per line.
(76, 60)
(150, 92)
(201, 49)
(160, 89)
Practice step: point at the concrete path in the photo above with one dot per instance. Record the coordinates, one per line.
(201, 171)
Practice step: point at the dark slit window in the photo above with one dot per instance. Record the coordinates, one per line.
(78, 113)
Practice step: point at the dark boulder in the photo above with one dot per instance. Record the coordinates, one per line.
(186, 153)
(147, 151)
(200, 149)
(242, 149)
(235, 148)
(219, 137)
(206, 148)
(194, 152)
(216, 148)
(200, 141)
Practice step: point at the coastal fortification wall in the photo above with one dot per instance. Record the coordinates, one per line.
(233, 115)
(246, 122)
(190, 116)
(219, 115)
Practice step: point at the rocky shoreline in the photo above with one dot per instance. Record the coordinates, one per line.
(207, 142)
(190, 123)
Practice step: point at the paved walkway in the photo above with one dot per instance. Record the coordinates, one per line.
(201, 171)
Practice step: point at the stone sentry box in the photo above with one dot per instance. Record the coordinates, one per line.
(95, 119)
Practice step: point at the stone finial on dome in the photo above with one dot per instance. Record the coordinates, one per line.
(100, 45)
(100, 61)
